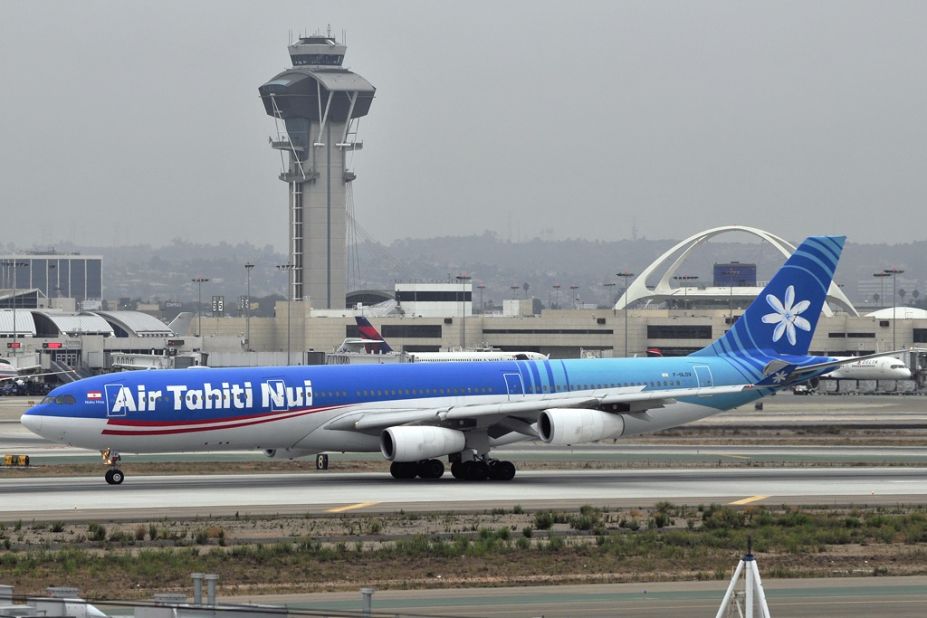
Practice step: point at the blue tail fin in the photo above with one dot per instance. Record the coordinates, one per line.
(782, 319)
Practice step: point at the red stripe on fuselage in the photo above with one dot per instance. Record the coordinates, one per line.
(228, 419)
(214, 427)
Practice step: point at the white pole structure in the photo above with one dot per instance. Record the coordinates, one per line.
(248, 268)
(754, 595)
(288, 268)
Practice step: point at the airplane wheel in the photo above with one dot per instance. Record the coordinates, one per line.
(431, 469)
(109, 477)
(117, 477)
(476, 471)
(403, 470)
(502, 471)
(457, 470)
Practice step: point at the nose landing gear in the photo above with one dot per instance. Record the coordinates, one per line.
(114, 475)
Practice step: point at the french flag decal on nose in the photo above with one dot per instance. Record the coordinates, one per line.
(95, 395)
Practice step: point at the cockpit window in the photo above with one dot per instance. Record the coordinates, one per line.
(60, 400)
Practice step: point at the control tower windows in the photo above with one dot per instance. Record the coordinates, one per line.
(317, 59)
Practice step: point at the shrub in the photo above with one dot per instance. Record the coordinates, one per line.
(661, 519)
(543, 520)
(96, 532)
(555, 543)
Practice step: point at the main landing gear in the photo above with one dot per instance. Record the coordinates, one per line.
(114, 475)
(481, 470)
(473, 470)
(426, 469)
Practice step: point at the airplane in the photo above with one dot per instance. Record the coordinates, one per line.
(7, 371)
(417, 413)
(881, 368)
(372, 337)
(371, 334)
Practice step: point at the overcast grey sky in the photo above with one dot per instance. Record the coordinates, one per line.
(128, 121)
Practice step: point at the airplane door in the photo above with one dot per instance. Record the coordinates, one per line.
(514, 386)
(703, 375)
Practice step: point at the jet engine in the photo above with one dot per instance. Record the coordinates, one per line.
(566, 426)
(416, 443)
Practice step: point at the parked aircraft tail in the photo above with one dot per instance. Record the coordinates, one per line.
(368, 331)
(180, 325)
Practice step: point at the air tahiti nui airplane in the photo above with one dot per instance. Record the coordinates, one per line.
(415, 414)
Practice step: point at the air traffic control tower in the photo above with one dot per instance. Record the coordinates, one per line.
(316, 106)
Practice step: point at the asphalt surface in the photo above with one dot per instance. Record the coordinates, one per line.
(899, 597)
(156, 496)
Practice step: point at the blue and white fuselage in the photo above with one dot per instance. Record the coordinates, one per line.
(290, 407)
(416, 413)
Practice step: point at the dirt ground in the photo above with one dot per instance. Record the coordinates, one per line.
(502, 547)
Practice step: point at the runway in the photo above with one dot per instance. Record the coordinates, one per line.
(161, 496)
(900, 597)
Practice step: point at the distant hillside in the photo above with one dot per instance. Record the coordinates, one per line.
(164, 273)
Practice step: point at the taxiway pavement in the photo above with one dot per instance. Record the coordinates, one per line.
(315, 492)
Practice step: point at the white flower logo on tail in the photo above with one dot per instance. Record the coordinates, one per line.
(786, 315)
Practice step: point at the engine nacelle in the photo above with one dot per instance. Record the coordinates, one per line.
(566, 426)
(416, 443)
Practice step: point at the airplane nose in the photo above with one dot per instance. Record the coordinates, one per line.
(32, 422)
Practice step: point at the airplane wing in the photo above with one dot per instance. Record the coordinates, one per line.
(23, 376)
(633, 399)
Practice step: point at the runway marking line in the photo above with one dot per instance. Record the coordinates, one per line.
(749, 500)
(351, 507)
(733, 456)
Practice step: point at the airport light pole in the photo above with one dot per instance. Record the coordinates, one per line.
(288, 269)
(199, 281)
(248, 268)
(893, 272)
(608, 289)
(48, 288)
(462, 281)
(881, 276)
(13, 266)
(625, 275)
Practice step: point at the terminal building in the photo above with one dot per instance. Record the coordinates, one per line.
(54, 275)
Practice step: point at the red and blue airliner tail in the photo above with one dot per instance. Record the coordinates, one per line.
(368, 331)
